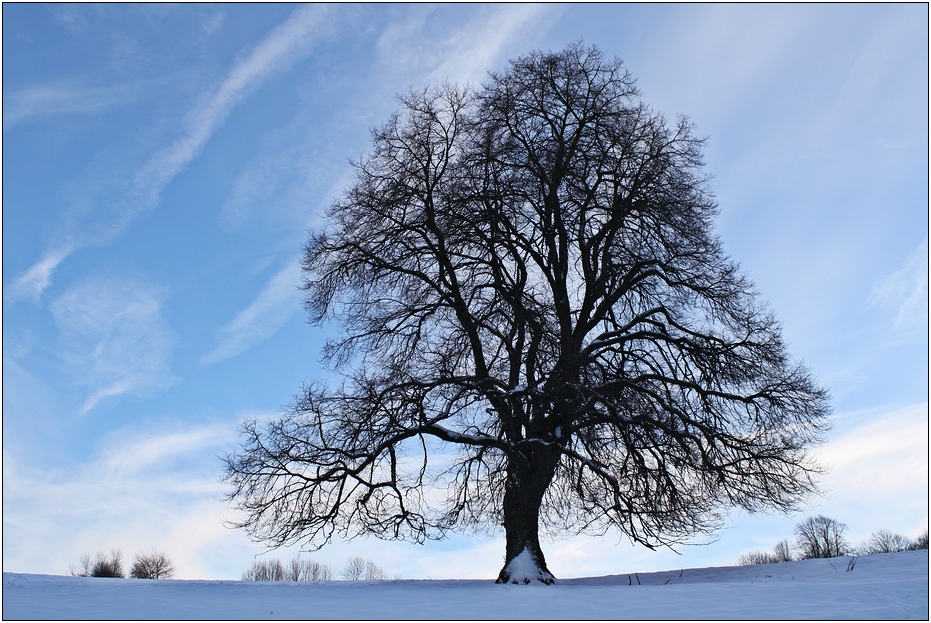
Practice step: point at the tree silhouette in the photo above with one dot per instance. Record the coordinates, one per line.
(821, 537)
(527, 274)
(886, 542)
(152, 566)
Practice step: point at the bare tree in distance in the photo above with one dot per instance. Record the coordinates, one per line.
(317, 572)
(358, 568)
(265, 571)
(921, 542)
(886, 542)
(528, 274)
(297, 570)
(782, 551)
(821, 537)
(304, 570)
(84, 568)
(374, 572)
(354, 569)
(101, 567)
(756, 557)
(152, 566)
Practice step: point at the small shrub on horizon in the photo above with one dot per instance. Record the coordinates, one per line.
(109, 567)
(921, 542)
(101, 567)
(781, 553)
(152, 566)
(885, 542)
(755, 557)
(84, 571)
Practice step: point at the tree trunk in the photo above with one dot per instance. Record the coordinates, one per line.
(530, 472)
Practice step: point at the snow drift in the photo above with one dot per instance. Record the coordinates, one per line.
(881, 586)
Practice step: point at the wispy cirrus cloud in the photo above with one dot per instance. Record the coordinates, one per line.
(288, 42)
(291, 40)
(213, 23)
(470, 50)
(34, 281)
(475, 49)
(114, 338)
(273, 307)
(65, 96)
(903, 295)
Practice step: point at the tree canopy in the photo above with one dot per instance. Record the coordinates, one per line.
(540, 331)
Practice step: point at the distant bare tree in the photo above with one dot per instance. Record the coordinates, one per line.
(755, 557)
(782, 551)
(886, 542)
(921, 542)
(152, 566)
(821, 537)
(265, 571)
(85, 568)
(304, 570)
(374, 572)
(317, 572)
(297, 570)
(529, 273)
(354, 569)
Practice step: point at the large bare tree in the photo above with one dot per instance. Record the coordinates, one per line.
(540, 331)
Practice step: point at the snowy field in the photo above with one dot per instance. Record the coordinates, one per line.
(881, 586)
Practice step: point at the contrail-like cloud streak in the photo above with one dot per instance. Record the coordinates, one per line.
(288, 42)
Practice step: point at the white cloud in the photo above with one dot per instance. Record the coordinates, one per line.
(472, 49)
(903, 295)
(398, 43)
(154, 488)
(885, 458)
(878, 476)
(35, 280)
(214, 22)
(71, 16)
(130, 454)
(64, 97)
(114, 338)
(273, 307)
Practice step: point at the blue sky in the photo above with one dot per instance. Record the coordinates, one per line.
(163, 163)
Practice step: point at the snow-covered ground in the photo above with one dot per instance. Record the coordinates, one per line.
(881, 586)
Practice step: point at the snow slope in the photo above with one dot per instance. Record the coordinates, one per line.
(881, 586)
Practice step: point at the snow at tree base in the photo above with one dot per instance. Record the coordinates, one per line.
(524, 569)
(880, 586)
